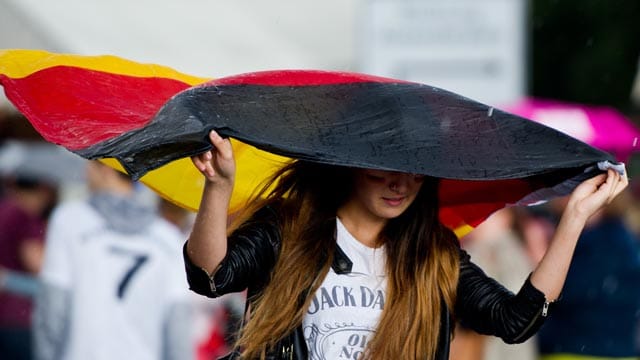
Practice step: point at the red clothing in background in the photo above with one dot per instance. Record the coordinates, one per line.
(16, 227)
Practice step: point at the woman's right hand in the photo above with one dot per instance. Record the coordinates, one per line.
(207, 244)
(217, 165)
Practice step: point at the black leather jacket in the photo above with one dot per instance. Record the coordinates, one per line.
(482, 303)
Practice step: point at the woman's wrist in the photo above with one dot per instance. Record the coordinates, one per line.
(219, 187)
(577, 214)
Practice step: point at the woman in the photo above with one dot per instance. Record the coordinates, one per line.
(353, 263)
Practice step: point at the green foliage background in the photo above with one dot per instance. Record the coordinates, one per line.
(584, 50)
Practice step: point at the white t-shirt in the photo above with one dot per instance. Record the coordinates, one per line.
(346, 308)
(121, 285)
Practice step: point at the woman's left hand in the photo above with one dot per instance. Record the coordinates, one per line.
(589, 197)
(593, 194)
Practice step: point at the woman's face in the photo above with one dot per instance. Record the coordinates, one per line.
(385, 194)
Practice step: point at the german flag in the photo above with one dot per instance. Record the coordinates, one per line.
(78, 101)
(151, 119)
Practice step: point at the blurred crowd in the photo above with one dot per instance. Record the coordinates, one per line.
(598, 313)
(99, 272)
(93, 270)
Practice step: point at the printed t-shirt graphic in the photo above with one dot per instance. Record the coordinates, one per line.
(346, 308)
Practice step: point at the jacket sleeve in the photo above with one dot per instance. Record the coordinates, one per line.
(251, 255)
(488, 308)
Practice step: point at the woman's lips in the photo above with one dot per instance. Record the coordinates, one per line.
(395, 201)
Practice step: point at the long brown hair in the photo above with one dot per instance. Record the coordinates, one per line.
(422, 263)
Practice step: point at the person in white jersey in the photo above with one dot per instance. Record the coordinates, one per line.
(344, 263)
(113, 284)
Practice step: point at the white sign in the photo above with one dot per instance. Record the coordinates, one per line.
(472, 47)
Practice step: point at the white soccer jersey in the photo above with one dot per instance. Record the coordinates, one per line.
(121, 285)
(345, 310)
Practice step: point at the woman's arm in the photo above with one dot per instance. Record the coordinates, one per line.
(586, 199)
(487, 307)
(207, 244)
(251, 254)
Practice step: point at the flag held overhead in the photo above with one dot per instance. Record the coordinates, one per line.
(487, 158)
(350, 120)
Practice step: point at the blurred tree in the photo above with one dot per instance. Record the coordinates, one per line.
(584, 50)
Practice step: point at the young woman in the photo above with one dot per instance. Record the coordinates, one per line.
(354, 263)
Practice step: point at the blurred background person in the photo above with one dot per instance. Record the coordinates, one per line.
(632, 217)
(215, 321)
(598, 313)
(24, 209)
(180, 217)
(113, 284)
(497, 247)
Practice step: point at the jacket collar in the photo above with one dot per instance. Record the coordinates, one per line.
(341, 263)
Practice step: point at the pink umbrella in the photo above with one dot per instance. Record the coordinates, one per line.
(600, 126)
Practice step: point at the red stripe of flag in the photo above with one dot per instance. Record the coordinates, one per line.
(76, 107)
(299, 78)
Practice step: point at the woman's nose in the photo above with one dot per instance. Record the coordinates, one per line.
(400, 183)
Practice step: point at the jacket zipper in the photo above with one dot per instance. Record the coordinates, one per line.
(543, 312)
(212, 285)
(287, 352)
(545, 308)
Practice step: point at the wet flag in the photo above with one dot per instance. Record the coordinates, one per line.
(150, 119)
(78, 101)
